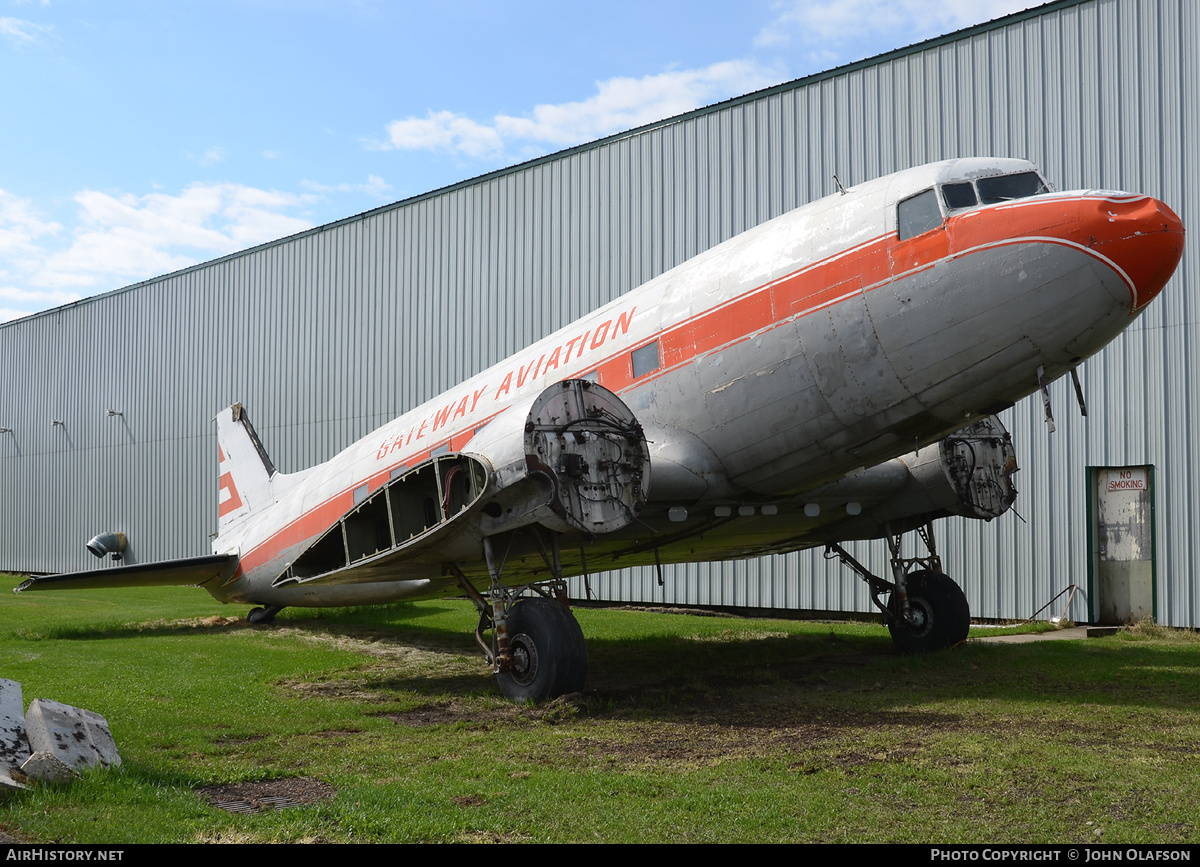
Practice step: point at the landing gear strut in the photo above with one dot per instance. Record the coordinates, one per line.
(536, 649)
(926, 610)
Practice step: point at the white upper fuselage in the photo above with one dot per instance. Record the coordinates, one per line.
(795, 352)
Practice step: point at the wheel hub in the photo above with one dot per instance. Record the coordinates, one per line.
(920, 618)
(524, 660)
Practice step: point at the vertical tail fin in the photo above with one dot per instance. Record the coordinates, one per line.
(245, 470)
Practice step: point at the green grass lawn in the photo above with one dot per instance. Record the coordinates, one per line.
(692, 729)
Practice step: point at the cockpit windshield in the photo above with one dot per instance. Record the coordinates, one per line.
(991, 191)
(1008, 187)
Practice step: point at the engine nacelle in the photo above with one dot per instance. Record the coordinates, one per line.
(968, 473)
(571, 458)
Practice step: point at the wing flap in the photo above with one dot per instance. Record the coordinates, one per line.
(165, 573)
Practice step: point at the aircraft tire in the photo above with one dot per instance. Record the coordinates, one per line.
(549, 652)
(260, 616)
(941, 609)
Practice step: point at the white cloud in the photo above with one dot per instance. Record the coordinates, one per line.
(624, 103)
(212, 155)
(9, 313)
(442, 130)
(619, 104)
(822, 24)
(23, 32)
(20, 227)
(44, 298)
(375, 186)
(122, 238)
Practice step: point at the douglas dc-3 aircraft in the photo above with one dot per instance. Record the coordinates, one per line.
(829, 375)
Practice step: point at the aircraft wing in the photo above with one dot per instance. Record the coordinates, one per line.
(166, 573)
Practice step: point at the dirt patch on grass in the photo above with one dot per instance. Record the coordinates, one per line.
(455, 711)
(403, 665)
(336, 689)
(694, 744)
(227, 741)
(478, 711)
(407, 654)
(257, 796)
(686, 745)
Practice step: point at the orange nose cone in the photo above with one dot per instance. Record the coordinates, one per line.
(1144, 239)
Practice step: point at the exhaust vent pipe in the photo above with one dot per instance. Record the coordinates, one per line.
(108, 543)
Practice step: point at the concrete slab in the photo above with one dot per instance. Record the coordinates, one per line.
(7, 783)
(14, 748)
(45, 767)
(78, 738)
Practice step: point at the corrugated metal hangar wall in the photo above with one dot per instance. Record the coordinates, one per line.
(328, 334)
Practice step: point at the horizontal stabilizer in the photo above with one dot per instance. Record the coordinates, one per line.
(166, 573)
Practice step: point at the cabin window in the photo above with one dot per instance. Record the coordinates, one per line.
(959, 196)
(645, 360)
(1008, 187)
(918, 214)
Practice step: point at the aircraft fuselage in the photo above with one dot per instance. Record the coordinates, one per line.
(829, 339)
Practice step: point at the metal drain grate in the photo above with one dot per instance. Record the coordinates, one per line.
(258, 805)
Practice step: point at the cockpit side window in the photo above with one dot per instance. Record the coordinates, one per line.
(1008, 187)
(918, 214)
(961, 195)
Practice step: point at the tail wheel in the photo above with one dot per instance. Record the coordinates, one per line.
(261, 616)
(549, 653)
(941, 615)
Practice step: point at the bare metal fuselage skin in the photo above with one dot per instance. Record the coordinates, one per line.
(763, 372)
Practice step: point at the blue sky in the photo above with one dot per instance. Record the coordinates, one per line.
(137, 138)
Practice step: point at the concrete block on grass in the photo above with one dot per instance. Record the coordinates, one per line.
(78, 738)
(14, 748)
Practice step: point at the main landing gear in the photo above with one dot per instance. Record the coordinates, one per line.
(926, 610)
(938, 617)
(547, 652)
(536, 647)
